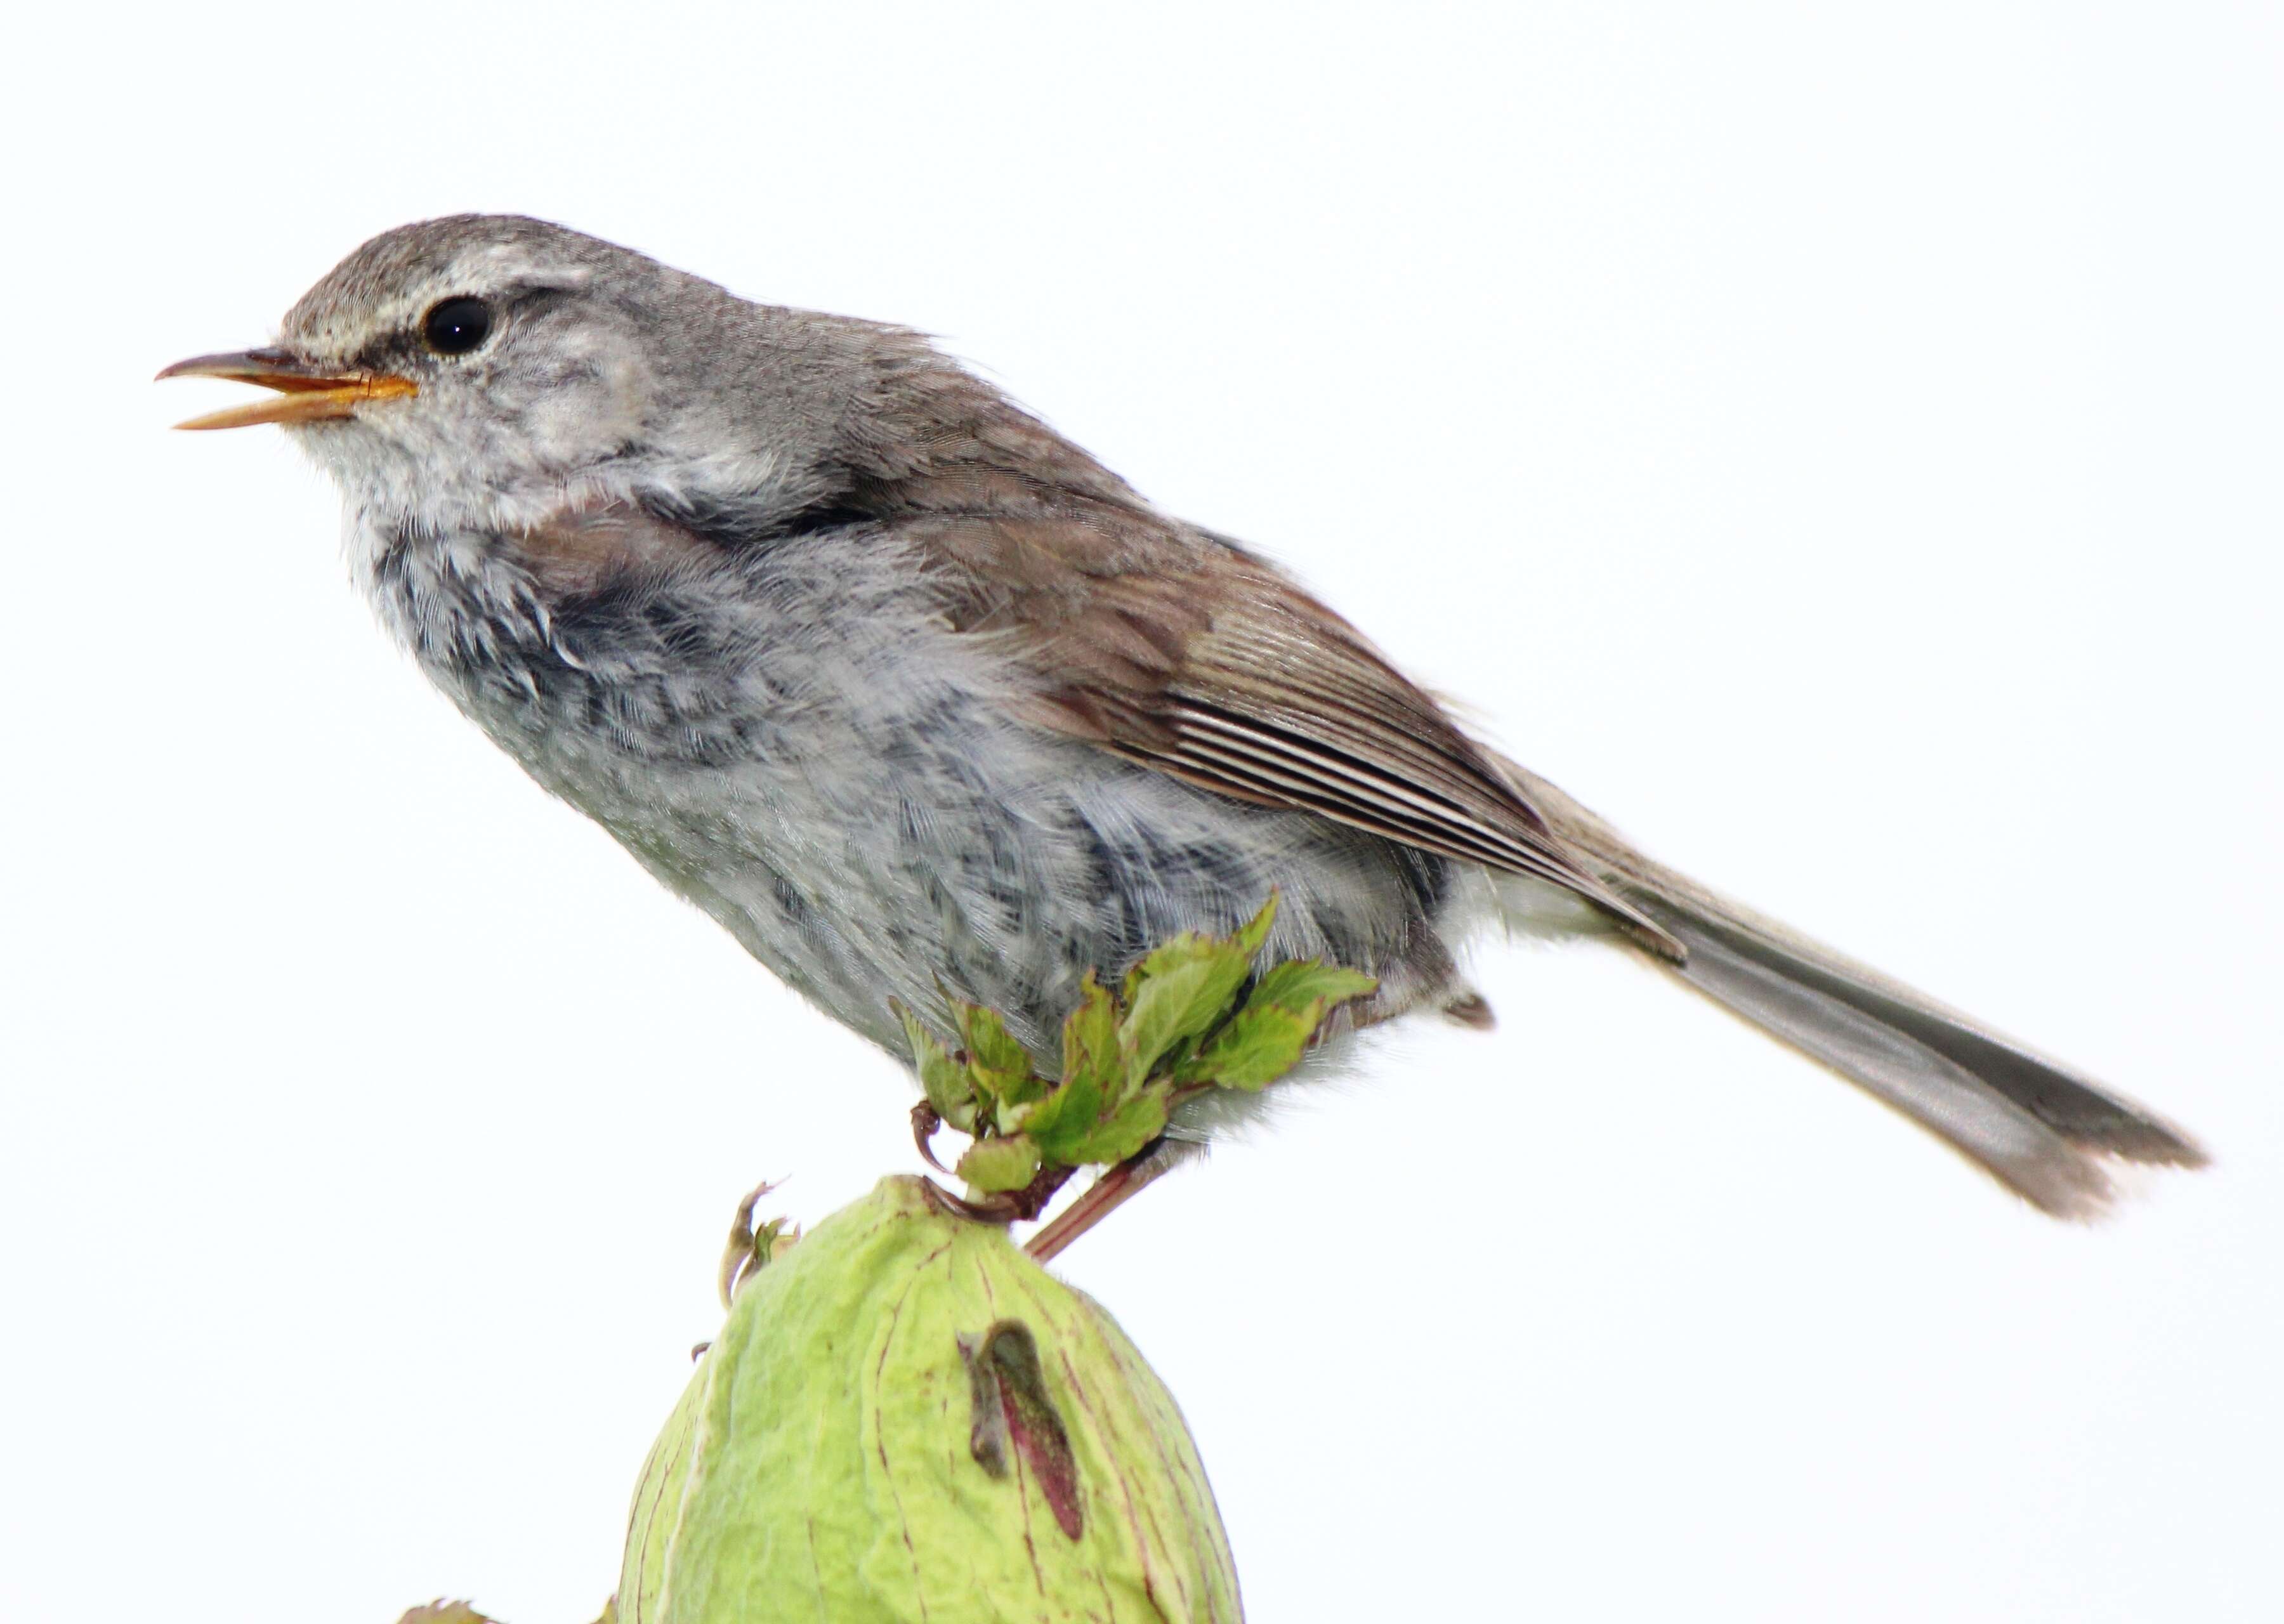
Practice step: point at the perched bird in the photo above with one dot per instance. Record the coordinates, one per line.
(916, 698)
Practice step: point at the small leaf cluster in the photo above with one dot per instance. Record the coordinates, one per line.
(1183, 1020)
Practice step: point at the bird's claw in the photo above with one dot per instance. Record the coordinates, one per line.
(926, 1121)
(992, 1209)
(1002, 1206)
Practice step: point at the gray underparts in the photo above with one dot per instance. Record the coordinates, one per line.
(792, 738)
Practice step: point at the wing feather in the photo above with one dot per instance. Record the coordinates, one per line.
(1187, 654)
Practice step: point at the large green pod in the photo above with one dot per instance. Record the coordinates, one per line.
(906, 1418)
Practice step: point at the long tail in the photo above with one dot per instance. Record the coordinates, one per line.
(2040, 1127)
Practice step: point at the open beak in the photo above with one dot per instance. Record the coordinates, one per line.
(305, 394)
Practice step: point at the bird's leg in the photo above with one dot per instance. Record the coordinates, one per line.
(1105, 1196)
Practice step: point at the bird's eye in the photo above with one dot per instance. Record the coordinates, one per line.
(457, 326)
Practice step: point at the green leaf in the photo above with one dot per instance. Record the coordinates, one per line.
(1298, 983)
(1259, 1045)
(944, 1078)
(1266, 1038)
(1138, 1121)
(1011, 1117)
(1177, 951)
(1065, 1118)
(1001, 1066)
(1184, 999)
(1182, 989)
(1167, 957)
(1091, 1037)
(1092, 1067)
(1255, 931)
(994, 1165)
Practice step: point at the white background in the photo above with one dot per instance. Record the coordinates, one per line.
(1841, 443)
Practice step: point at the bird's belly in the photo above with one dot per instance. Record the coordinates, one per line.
(991, 864)
(840, 784)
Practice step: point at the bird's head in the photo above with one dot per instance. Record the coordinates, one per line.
(484, 370)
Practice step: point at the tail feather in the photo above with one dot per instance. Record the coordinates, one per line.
(2040, 1127)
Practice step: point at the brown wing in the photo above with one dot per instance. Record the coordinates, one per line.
(1180, 651)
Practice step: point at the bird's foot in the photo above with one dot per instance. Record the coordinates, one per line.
(926, 1119)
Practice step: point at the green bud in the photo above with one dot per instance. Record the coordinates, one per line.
(994, 1165)
(906, 1418)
